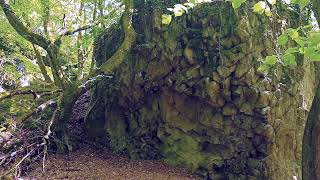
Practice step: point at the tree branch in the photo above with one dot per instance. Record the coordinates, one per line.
(36, 94)
(21, 29)
(38, 110)
(41, 65)
(86, 27)
(130, 37)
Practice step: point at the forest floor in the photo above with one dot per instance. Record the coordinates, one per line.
(88, 162)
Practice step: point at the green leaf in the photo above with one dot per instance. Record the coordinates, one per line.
(259, 7)
(303, 3)
(237, 3)
(292, 50)
(166, 19)
(263, 68)
(293, 33)
(301, 41)
(312, 53)
(314, 39)
(283, 39)
(315, 56)
(270, 60)
(192, 1)
(178, 11)
(267, 11)
(309, 50)
(289, 60)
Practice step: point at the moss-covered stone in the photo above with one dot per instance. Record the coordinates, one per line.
(190, 94)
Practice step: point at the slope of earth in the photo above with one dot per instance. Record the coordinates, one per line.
(88, 163)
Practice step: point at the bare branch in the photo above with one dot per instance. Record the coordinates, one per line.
(38, 110)
(36, 94)
(18, 164)
(46, 137)
(21, 29)
(86, 27)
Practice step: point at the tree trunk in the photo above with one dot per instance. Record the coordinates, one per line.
(70, 95)
(311, 137)
(311, 141)
(190, 93)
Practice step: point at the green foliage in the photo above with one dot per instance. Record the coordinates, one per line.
(237, 3)
(262, 7)
(166, 19)
(301, 3)
(289, 60)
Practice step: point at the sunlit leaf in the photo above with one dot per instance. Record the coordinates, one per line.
(271, 60)
(293, 33)
(289, 60)
(267, 11)
(292, 50)
(263, 68)
(259, 7)
(166, 19)
(237, 3)
(283, 39)
(303, 3)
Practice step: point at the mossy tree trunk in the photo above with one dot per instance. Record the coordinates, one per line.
(311, 141)
(311, 138)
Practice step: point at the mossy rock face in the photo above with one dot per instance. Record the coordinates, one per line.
(190, 93)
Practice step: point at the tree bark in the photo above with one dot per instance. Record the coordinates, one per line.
(311, 137)
(41, 65)
(130, 37)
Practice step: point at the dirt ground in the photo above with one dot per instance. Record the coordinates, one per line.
(88, 163)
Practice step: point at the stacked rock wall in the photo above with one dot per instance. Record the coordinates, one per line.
(190, 93)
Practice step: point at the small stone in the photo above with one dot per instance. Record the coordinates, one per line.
(5, 136)
(241, 70)
(213, 89)
(217, 121)
(223, 71)
(193, 72)
(229, 110)
(264, 99)
(246, 108)
(188, 53)
(216, 77)
(265, 111)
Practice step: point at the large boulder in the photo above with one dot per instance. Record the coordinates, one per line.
(190, 93)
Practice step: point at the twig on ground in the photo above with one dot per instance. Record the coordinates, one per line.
(18, 164)
(46, 138)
